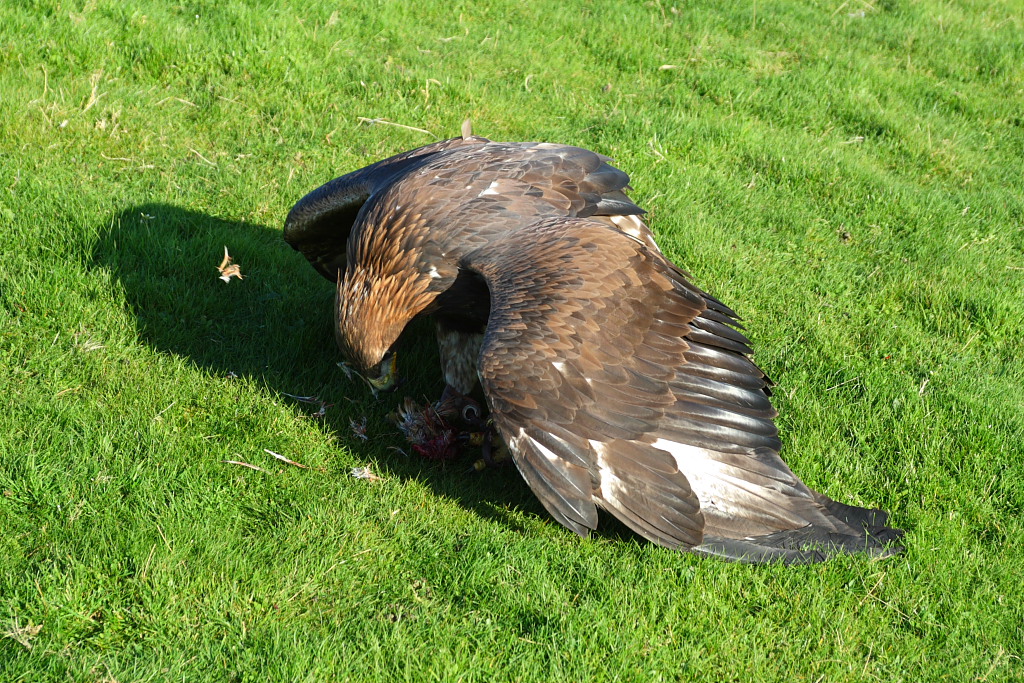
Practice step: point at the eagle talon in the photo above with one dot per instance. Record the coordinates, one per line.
(491, 457)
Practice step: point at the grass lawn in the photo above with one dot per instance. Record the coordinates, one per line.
(846, 175)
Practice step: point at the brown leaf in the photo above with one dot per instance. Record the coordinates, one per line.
(228, 269)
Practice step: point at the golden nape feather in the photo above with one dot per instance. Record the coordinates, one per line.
(613, 382)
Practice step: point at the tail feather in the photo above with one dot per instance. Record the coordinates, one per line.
(852, 515)
(808, 544)
(749, 552)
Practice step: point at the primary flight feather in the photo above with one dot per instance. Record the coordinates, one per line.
(614, 381)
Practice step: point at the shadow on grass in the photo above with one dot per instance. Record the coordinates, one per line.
(274, 329)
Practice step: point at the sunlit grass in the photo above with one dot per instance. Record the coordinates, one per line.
(845, 175)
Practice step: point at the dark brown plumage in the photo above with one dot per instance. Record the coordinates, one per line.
(615, 382)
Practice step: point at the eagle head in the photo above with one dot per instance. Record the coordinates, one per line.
(371, 310)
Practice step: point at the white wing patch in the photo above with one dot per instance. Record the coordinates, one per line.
(517, 442)
(491, 189)
(544, 450)
(611, 485)
(709, 479)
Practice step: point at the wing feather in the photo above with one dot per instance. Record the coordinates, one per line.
(601, 358)
(320, 223)
(468, 190)
(563, 487)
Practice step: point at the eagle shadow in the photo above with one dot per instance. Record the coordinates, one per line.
(274, 328)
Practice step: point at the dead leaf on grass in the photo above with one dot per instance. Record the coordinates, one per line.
(228, 269)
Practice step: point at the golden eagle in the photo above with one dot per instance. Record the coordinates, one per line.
(615, 382)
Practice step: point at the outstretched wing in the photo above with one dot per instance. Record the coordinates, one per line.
(464, 192)
(320, 223)
(618, 384)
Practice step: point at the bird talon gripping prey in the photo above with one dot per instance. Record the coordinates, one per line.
(614, 381)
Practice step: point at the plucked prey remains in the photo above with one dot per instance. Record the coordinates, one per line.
(615, 382)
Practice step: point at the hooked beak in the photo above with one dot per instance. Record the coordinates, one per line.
(387, 377)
